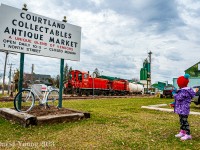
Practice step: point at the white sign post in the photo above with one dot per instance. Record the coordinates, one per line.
(26, 32)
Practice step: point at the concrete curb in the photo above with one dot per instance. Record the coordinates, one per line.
(156, 107)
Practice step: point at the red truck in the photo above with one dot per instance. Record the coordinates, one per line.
(167, 92)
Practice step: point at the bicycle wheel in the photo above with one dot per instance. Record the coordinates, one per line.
(27, 101)
(52, 98)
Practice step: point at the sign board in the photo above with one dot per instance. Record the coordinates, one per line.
(26, 32)
(161, 85)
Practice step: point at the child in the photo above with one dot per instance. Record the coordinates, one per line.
(183, 98)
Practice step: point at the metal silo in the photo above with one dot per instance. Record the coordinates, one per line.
(141, 74)
(145, 74)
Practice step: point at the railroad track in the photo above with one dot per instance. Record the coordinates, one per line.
(99, 97)
(69, 97)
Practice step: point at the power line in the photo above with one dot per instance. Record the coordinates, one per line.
(4, 73)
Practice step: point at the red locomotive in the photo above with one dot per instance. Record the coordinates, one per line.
(119, 87)
(81, 83)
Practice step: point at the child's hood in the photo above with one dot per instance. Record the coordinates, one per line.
(189, 90)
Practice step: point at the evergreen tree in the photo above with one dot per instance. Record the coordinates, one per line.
(57, 81)
(51, 81)
(66, 72)
(70, 69)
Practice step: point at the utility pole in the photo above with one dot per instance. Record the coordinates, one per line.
(150, 67)
(4, 73)
(9, 77)
(149, 73)
(32, 70)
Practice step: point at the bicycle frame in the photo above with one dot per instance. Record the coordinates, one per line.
(45, 94)
(27, 97)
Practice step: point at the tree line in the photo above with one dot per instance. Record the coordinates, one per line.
(54, 81)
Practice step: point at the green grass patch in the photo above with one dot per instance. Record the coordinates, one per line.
(114, 124)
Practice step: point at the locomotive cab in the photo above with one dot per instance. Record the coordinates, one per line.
(77, 80)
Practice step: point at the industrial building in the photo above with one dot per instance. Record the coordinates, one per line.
(37, 77)
(145, 74)
(194, 72)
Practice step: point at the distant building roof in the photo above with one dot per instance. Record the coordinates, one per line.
(192, 66)
(109, 78)
(43, 78)
(194, 71)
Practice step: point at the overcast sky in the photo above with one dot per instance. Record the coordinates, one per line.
(118, 34)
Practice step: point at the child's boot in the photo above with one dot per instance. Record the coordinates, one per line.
(186, 137)
(181, 134)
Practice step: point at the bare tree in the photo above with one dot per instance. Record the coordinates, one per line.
(135, 79)
(96, 71)
(16, 79)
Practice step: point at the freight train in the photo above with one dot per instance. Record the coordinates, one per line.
(82, 83)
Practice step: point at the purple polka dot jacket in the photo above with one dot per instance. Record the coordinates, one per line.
(182, 100)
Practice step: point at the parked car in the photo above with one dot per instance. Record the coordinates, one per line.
(167, 92)
(196, 98)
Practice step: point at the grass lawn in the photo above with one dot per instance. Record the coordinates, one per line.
(114, 124)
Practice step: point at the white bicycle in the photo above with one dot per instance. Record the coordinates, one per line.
(25, 99)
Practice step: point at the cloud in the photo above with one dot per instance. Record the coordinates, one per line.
(117, 36)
